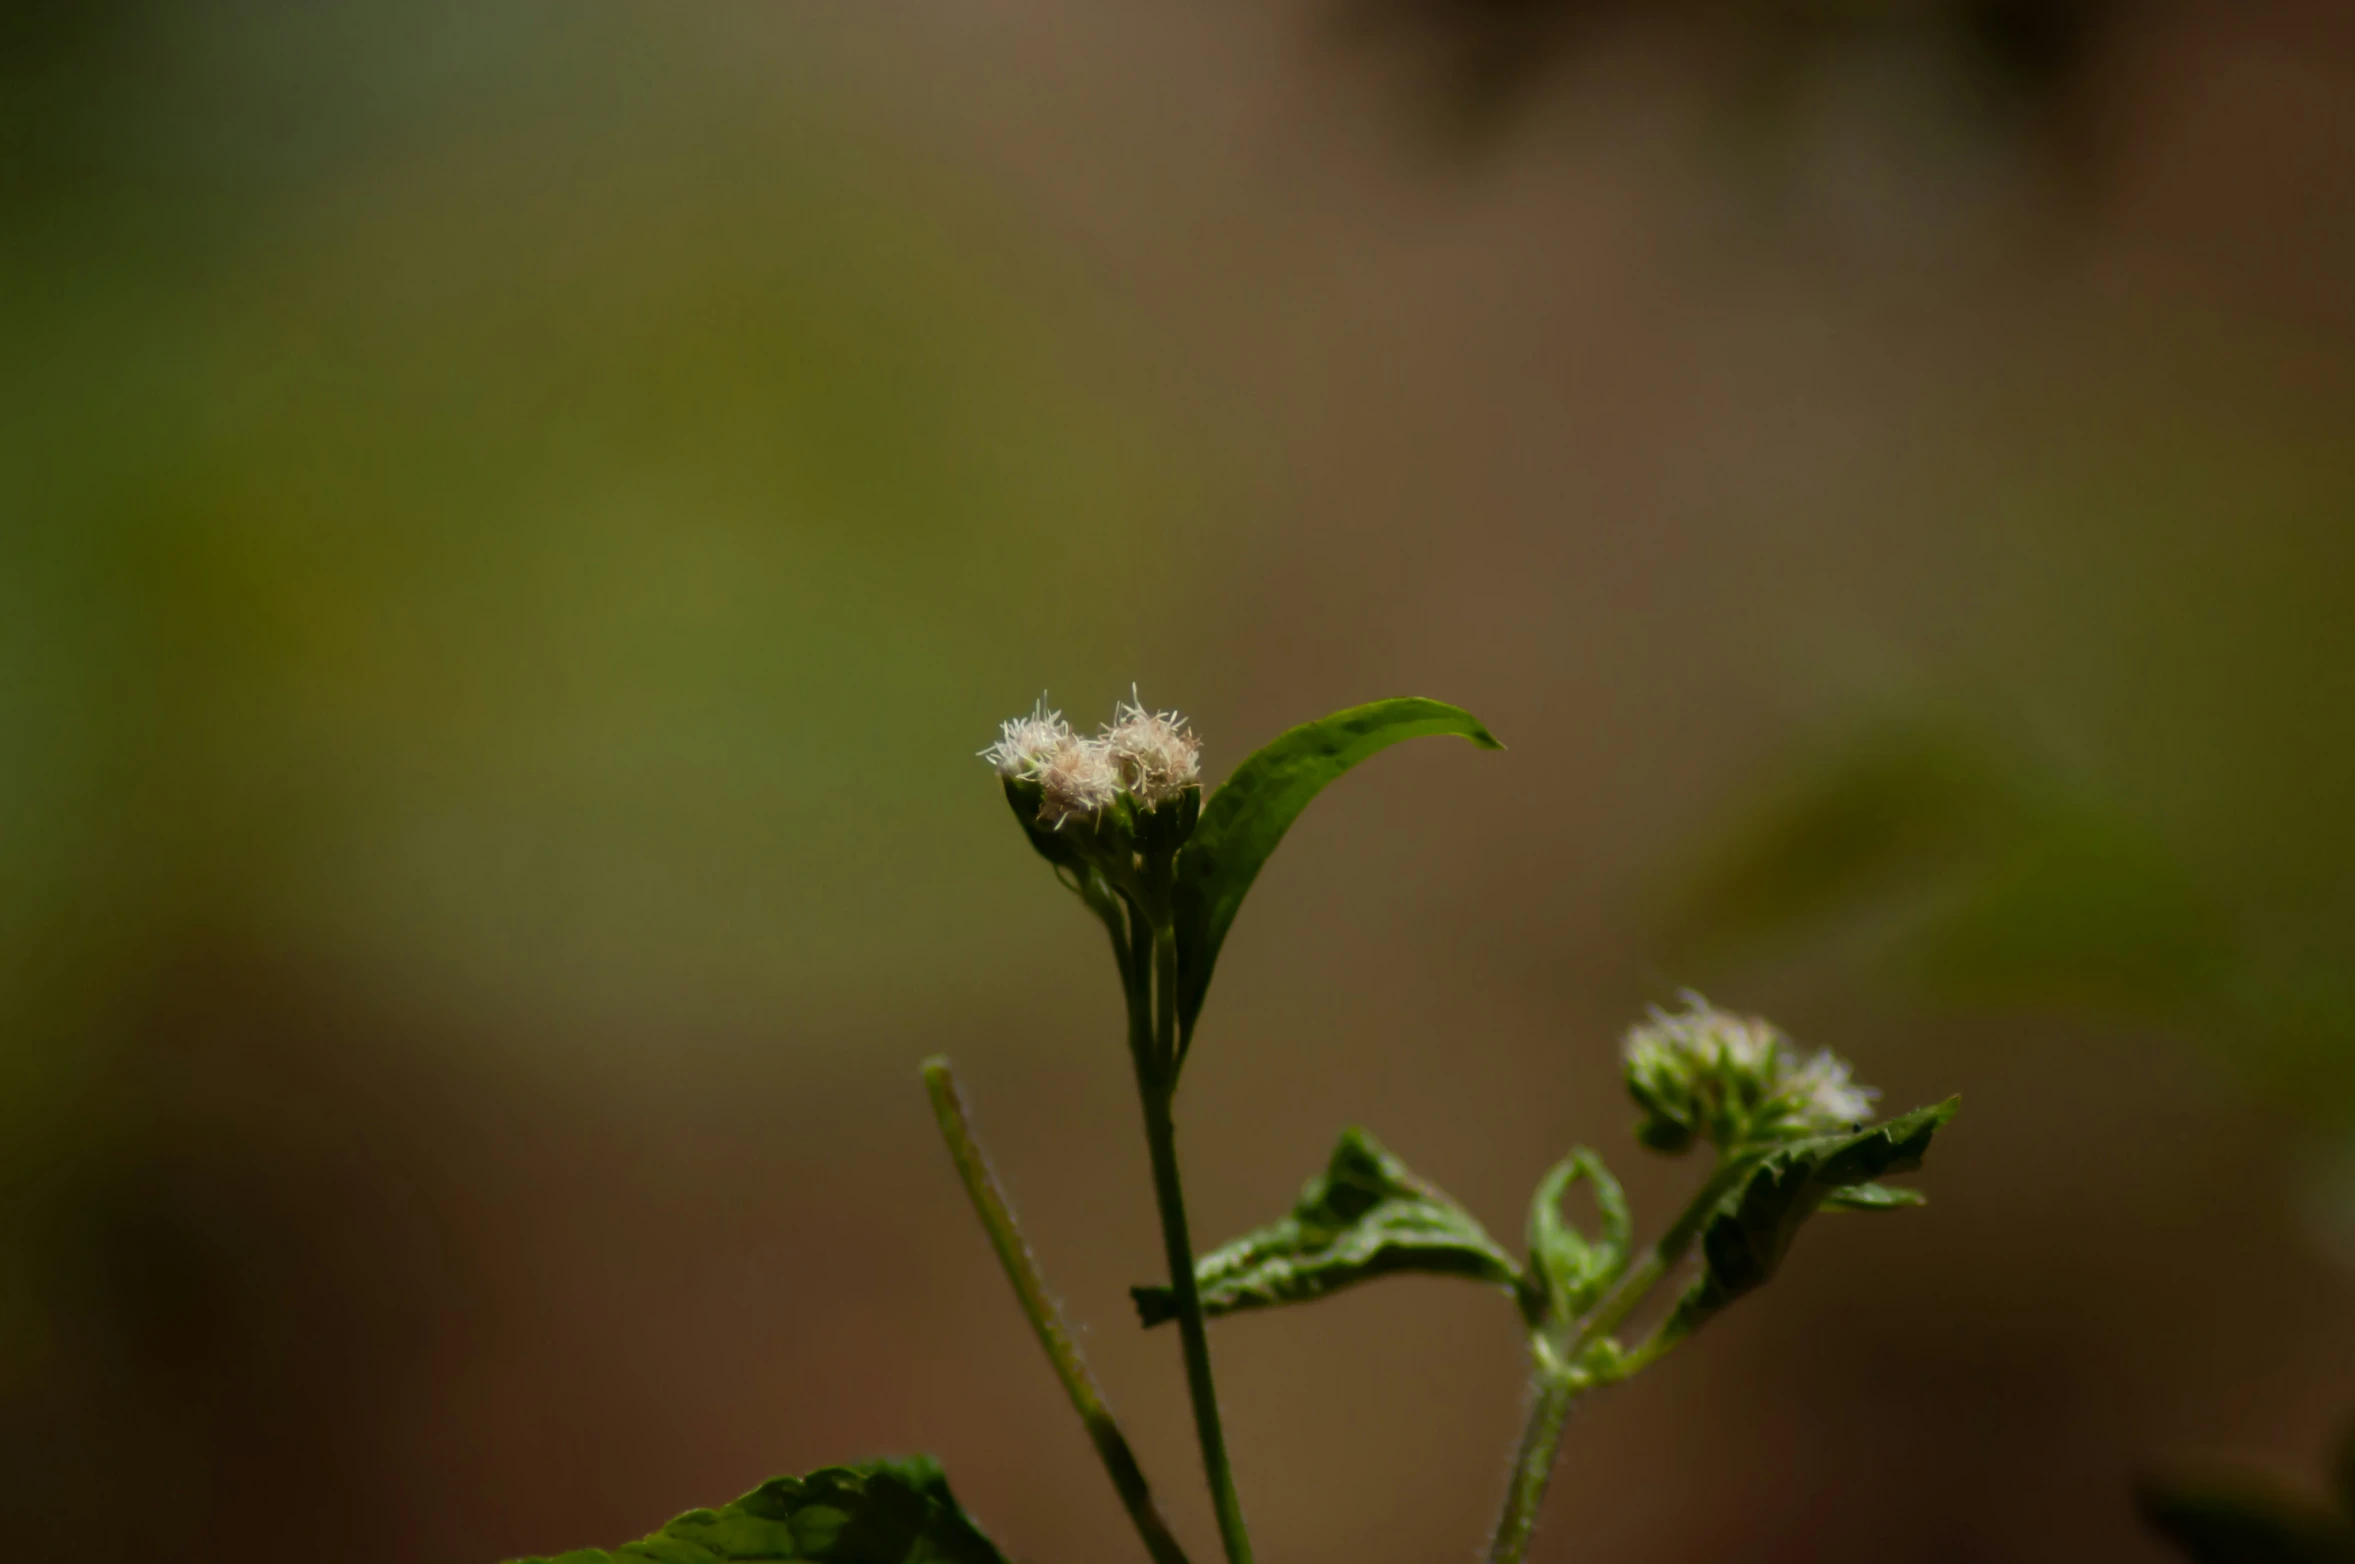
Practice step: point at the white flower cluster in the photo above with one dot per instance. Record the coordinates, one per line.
(1158, 755)
(1702, 1040)
(1151, 755)
(1824, 1093)
(1704, 1071)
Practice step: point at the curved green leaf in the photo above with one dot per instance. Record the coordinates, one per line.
(1748, 1235)
(1244, 820)
(1570, 1273)
(1364, 1216)
(878, 1512)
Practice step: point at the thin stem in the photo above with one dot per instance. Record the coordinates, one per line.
(1557, 1380)
(1655, 1347)
(1663, 1256)
(1157, 1087)
(1533, 1465)
(1046, 1321)
(1165, 982)
(1105, 904)
(1161, 1142)
(1136, 980)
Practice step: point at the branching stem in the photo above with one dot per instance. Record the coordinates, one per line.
(1559, 1375)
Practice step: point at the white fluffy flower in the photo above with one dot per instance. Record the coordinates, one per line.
(1747, 1044)
(1078, 778)
(1824, 1094)
(1704, 1038)
(1158, 756)
(1025, 744)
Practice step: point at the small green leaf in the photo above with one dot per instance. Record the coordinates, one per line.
(1245, 819)
(1364, 1216)
(1874, 1197)
(2244, 1523)
(1572, 1272)
(1748, 1235)
(878, 1512)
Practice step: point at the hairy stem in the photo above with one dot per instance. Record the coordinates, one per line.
(1557, 1380)
(1157, 1086)
(1046, 1321)
(1551, 1395)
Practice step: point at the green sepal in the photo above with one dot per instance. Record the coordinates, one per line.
(1364, 1216)
(1060, 848)
(1162, 832)
(1664, 1135)
(1567, 1274)
(2244, 1522)
(1247, 816)
(1747, 1236)
(877, 1512)
(1665, 1126)
(1093, 858)
(1874, 1197)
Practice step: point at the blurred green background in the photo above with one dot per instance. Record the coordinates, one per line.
(515, 517)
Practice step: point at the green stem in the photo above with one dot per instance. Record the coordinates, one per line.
(1655, 1347)
(1551, 1395)
(1046, 1321)
(1165, 982)
(1136, 978)
(1663, 1256)
(1157, 1087)
(1557, 1380)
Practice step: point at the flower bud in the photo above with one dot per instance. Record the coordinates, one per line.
(1078, 780)
(1158, 755)
(1696, 1074)
(1111, 812)
(1822, 1094)
(1025, 744)
(1733, 1081)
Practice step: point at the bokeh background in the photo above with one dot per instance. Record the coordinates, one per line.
(515, 517)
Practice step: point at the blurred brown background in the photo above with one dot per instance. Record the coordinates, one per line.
(515, 517)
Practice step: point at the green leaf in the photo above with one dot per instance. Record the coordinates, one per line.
(878, 1512)
(1746, 1238)
(1245, 819)
(2244, 1523)
(1364, 1216)
(1874, 1197)
(1572, 1272)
